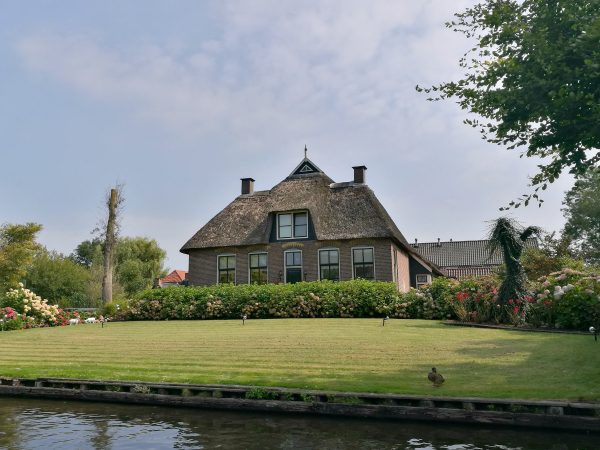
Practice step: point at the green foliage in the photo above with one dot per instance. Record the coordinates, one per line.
(257, 393)
(567, 299)
(10, 319)
(582, 211)
(476, 300)
(138, 262)
(59, 279)
(509, 236)
(17, 246)
(114, 308)
(538, 262)
(357, 298)
(533, 77)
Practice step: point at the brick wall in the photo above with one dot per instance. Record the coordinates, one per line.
(203, 263)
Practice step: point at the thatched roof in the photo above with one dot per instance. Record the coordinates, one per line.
(337, 210)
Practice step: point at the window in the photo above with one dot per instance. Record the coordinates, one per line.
(226, 269)
(292, 225)
(258, 268)
(423, 279)
(329, 264)
(293, 266)
(362, 262)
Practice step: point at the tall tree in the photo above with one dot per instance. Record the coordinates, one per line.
(508, 236)
(582, 211)
(533, 76)
(114, 203)
(17, 247)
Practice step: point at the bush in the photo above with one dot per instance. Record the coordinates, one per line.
(357, 298)
(567, 299)
(11, 320)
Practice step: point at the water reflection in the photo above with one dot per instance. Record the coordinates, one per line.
(46, 424)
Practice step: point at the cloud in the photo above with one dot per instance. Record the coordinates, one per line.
(293, 68)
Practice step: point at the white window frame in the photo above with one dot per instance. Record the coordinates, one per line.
(319, 261)
(250, 268)
(292, 213)
(362, 247)
(422, 283)
(285, 266)
(234, 269)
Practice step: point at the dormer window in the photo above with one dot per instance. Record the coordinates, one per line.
(292, 225)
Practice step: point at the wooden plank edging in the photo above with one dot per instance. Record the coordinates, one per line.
(501, 412)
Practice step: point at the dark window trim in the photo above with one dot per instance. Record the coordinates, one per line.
(324, 249)
(258, 267)
(285, 266)
(293, 225)
(234, 268)
(363, 247)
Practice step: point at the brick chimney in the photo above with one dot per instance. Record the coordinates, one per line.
(359, 174)
(247, 185)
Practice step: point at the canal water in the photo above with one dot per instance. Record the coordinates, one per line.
(50, 424)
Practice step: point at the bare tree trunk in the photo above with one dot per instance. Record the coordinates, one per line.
(109, 246)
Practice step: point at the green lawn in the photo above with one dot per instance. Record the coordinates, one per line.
(331, 354)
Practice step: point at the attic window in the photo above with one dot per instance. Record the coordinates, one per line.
(306, 168)
(292, 225)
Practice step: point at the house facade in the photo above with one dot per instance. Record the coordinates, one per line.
(306, 228)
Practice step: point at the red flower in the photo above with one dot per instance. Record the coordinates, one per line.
(516, 310)
(461, 296)
(510, 302)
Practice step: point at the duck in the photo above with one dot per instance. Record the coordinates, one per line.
(436, 378)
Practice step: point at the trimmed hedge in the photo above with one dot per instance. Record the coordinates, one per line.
(356, 298)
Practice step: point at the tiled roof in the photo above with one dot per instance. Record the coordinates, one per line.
(463, 253)
(177, 276)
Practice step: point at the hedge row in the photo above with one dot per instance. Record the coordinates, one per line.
(565, 299)
(356, 298)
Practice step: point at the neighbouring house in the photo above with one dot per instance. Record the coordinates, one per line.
(305, 228)
(460, 259)
(175, 278)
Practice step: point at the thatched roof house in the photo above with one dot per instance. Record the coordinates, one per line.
(307, 227)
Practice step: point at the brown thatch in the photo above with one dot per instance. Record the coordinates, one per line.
(338, 211)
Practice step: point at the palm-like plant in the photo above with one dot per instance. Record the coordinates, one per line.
(508, 236)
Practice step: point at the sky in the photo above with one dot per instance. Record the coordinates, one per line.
(178, 100)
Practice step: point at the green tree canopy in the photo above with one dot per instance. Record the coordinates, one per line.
(534, 79)
(17, 247)
(59, 279)
(582, 211)
(139, 261)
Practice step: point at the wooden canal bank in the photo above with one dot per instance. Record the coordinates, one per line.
(501, 412)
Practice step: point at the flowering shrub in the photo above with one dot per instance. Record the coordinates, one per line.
(28, 310)
(356, 298)
(567, 299)
(10, 319)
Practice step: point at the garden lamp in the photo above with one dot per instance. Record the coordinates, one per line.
(594, 331)
(2, 321)
(384, 320)
(244, 317)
